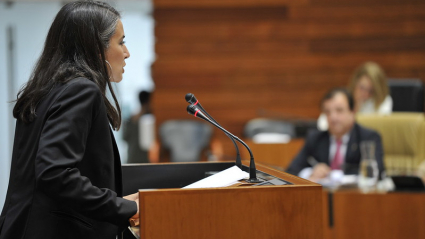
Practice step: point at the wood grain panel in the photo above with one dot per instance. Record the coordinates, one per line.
(361, 2)
(328, 232)
(386, 44)
(224, 3)
(242, 57)
(391, 215)
(230, 64)
(267, 212)
(221, 14)
(268, 30)
(358, 12)
(231, 47)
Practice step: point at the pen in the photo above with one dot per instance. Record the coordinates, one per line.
(312, 161)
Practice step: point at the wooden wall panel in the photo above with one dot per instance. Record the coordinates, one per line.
(225, 3)
(244, 57)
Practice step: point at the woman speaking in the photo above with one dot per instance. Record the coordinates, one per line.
(65, 179)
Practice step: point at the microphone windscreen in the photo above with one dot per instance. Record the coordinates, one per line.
(190, 98)
(191, 109)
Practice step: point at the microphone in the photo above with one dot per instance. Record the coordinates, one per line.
(193, 110)
(191, 99)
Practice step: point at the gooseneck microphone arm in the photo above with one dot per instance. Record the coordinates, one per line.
(193, 110)
(191, 99)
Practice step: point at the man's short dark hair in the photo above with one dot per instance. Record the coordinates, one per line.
(331, 94)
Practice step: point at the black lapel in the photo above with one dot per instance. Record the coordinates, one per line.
(117, 166)
(323, 148)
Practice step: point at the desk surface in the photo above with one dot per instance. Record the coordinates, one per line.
(274, 155)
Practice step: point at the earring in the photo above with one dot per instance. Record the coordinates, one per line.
(107, 62)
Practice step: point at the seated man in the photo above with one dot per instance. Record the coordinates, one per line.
(339, 146)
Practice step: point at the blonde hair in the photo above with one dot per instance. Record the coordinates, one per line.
(379, 81)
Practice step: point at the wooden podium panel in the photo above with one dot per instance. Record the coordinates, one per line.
(389, 215)
(287, 211)
(267, 212)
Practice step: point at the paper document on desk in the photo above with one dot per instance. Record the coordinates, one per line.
(222, 179)
(337, 179)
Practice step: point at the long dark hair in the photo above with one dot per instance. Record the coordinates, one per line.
(75, 47)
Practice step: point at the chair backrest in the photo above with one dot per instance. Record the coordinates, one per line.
(262, 125)
(403, 137)
(185, 139)
(407, 95)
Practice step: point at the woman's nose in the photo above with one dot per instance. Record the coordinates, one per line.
(127, 53)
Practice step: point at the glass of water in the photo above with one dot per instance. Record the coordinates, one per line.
(368, 170)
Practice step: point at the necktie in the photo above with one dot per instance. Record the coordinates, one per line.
(337, 160)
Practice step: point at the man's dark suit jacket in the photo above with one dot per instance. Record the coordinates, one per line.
(317, 146)
(65, 179)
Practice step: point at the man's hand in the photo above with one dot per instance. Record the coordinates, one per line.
(320, 171)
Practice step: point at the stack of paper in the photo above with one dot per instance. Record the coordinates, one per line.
(222, 179)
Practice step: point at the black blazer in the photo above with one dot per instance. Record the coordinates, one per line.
(317, 146)
(65, 179)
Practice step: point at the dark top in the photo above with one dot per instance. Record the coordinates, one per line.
(317, 146)
(131, 135)
(65, 179)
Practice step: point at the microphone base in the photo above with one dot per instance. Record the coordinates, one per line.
(253, 180)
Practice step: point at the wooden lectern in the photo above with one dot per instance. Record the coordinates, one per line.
(166, 211)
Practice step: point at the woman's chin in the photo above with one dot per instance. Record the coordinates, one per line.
(117, 79)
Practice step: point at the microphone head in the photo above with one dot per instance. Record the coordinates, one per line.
(190, 98)
(191, 109)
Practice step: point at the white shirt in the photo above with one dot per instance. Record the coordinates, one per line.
(386, 106)
(146, 131)
(333, 147)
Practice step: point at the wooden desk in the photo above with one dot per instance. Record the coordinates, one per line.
(279, 155)
(387, 216)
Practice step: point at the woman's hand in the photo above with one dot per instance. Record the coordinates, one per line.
(134, 197)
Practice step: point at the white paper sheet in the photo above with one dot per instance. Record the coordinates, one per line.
(222, 179)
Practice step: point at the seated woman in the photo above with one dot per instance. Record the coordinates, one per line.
(370, 91)
(421, 171)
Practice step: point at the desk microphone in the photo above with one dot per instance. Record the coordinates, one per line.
(193, 110)
(191, 99)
